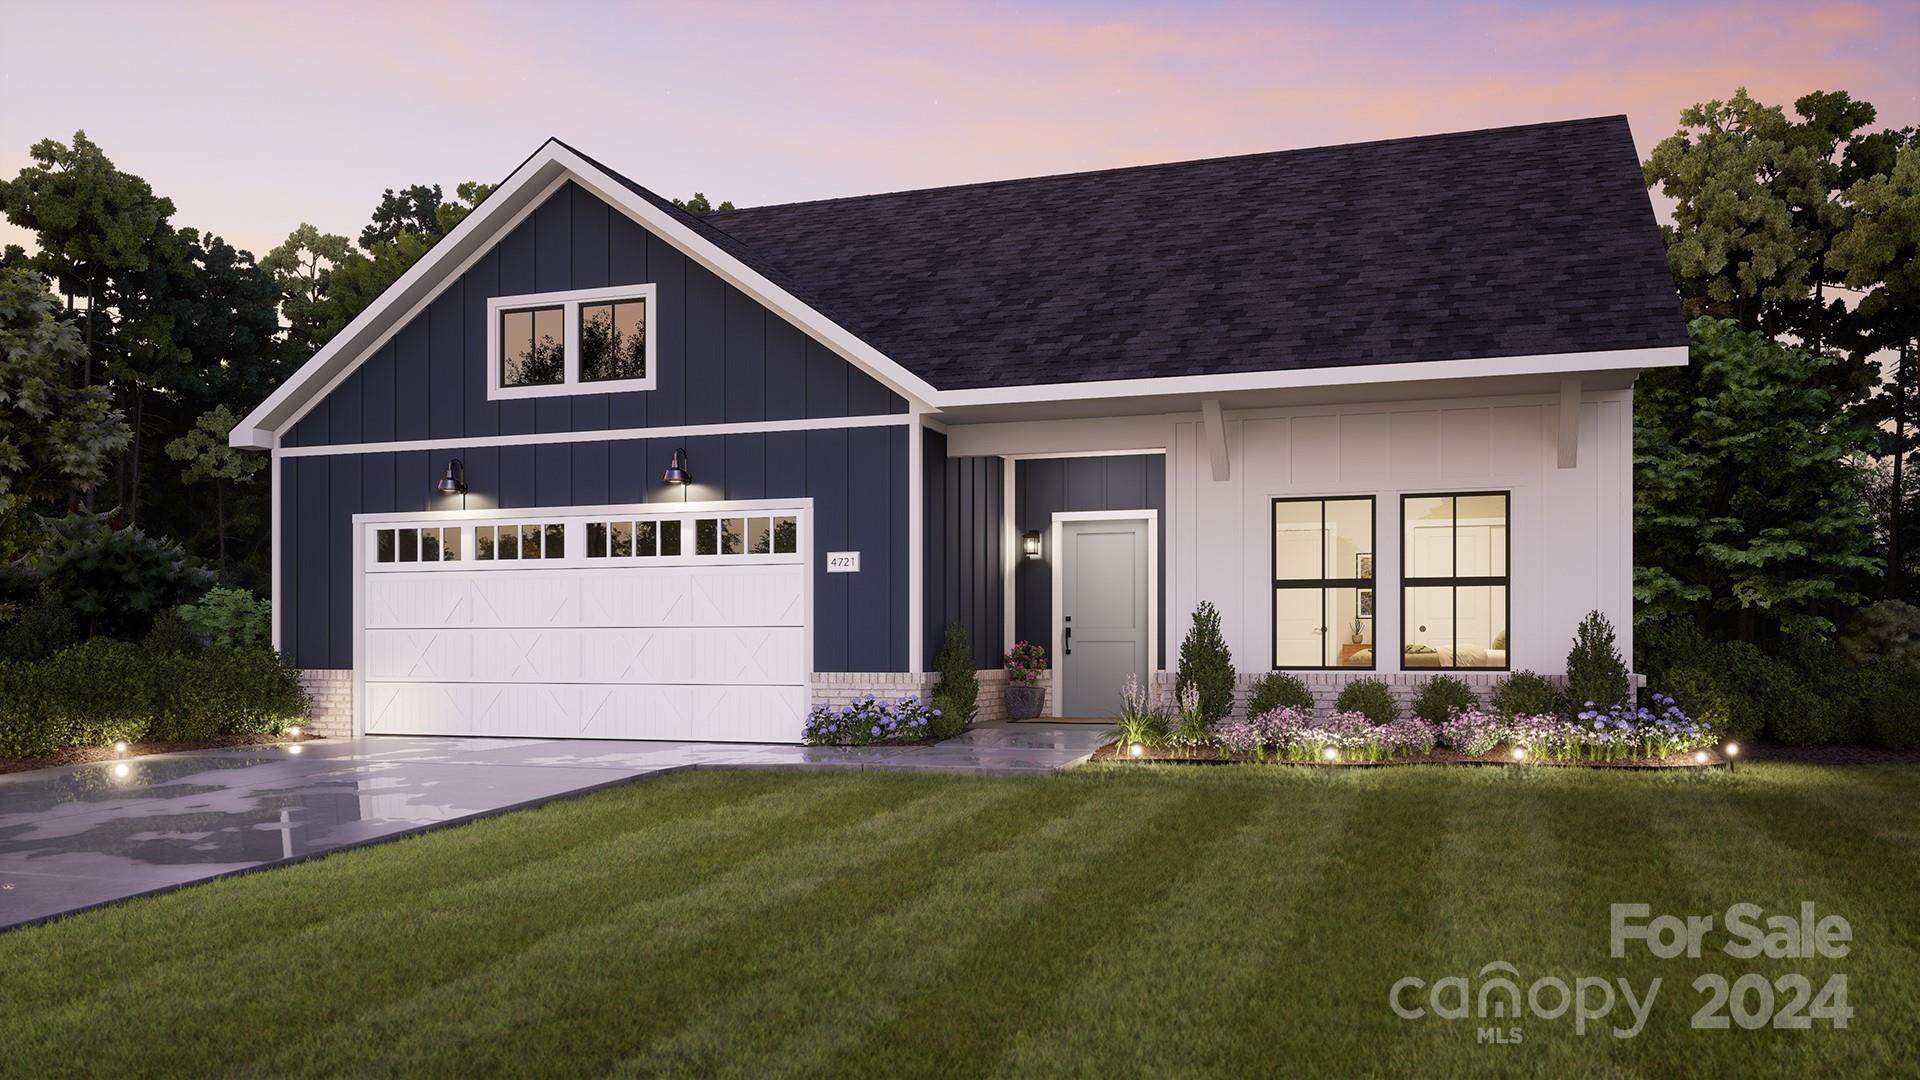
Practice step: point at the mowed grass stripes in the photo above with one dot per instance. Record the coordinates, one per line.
(1114, 921)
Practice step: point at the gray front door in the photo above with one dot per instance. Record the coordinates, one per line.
(1103, 613)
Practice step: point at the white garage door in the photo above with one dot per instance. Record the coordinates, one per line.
(588, 624)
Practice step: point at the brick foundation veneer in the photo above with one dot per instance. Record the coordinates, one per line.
(329, 702)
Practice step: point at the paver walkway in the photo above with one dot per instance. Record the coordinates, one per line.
(81, 835)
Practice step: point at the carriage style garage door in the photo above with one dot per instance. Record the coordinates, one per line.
(617, 623)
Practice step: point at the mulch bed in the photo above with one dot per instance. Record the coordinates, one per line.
(81, 755)
(1439, 756)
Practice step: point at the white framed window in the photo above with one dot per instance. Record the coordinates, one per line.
(587, 341)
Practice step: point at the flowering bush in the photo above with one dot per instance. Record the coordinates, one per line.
(1472, 732)
(1623, 731)
(867, 721)
(1024, 663)
(1294, 735)
(1190, 726)
(1406, 737)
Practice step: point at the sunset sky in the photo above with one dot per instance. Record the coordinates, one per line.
(254, 117)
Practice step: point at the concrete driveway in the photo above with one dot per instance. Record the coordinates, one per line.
(74, 837)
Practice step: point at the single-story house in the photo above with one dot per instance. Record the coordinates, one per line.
(595, 467)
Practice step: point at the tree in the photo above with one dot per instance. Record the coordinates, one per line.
(698, 206)
(56, 437)
(1207, 665)
(210, 460)
(91, 221)
(1879, 253)
(1748, 506)
(449, 214)
(359, 280)
(411, 209)
(300, 268)
(1757, 210)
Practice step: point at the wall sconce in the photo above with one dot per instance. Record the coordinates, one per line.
(677, 469)
(455, 482)
(1030, 543)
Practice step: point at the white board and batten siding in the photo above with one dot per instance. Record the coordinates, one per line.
(1572, 529)
(587, 645)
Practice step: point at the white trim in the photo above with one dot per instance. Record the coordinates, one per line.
(682, 431)
(802, 507)
(1010, 556)
(1569, 409)
(1215, 430)
(1065, 454)
(1058, 567)
(274, 529)
(916, 546)
(569, 302)
(1340, 375)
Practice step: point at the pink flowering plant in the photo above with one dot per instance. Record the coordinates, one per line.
(867, 721)
(1472, 732)
(1140, 722)
(1024, 663)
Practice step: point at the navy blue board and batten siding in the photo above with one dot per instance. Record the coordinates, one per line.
(964, 553)
(1043, 486)
(720, 358)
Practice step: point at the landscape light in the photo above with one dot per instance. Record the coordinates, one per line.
(1700, 757)
(1137, 750)
(120, 747)
(1331, 754)
(1519, 754)
(294, 731)
(1733, 749)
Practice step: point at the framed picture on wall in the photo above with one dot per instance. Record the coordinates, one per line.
(1363, 566)
(1366, 600)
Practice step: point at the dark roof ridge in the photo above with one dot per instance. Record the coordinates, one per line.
(1183, 162)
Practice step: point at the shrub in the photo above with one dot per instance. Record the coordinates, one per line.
(1892, 703)
(1524, 693)
(102, 690)
(1596, 676)
(1407, 737)
(1699, 693)
(867, 721)
(958, 689)
(1024, 663)
(1370, 698)
(1442, 696)
(1206, 665)
(1889, 629)
(1472, 732)
(171, 634)
(43, 627)
(1278, 690)
(115, 580)
(226, 616)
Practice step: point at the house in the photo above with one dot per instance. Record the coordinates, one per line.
(594, 467)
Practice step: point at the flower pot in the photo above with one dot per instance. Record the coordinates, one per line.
(1023, 702)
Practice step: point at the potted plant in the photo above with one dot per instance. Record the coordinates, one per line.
(1024, 664)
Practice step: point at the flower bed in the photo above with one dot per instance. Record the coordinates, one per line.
(1658, 735)
(869, 722)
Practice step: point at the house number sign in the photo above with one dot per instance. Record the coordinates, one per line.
(843, 562)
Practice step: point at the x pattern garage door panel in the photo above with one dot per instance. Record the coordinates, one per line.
(706, 643)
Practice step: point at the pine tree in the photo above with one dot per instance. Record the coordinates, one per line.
(1595, 672)
(1207, 664)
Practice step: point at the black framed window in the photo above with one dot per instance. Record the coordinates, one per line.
(1323, 583)
(1456, 606)
(533, 347)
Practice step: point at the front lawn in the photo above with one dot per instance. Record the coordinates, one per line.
(1114, 921)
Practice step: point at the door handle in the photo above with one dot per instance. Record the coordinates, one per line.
(1067, 649)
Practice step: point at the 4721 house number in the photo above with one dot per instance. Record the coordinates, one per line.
(843, 562)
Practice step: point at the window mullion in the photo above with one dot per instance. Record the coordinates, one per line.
(570, 343)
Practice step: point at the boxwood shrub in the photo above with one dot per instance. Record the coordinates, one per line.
(102, 690)
(1279, 690)
(1370, 697)
(1441, 697)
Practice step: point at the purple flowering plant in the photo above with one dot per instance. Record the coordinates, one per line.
(866, 721)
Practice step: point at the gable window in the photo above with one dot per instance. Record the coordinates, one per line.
(580, 342)
(1323, 583)
(1454, 596)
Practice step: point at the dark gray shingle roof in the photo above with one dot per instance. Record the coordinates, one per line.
(1505, 242)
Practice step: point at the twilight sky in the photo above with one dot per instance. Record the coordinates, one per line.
(254, 117)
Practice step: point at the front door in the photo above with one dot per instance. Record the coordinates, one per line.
(1103, 615)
